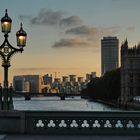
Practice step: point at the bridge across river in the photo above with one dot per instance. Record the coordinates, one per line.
(46, 94)
(61, 95)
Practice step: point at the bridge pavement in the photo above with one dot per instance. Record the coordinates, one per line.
(68, 137)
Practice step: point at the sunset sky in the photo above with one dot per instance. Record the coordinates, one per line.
(64, 36)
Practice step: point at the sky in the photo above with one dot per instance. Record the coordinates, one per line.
(64, 36)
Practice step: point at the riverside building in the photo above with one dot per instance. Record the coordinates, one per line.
(32, 83)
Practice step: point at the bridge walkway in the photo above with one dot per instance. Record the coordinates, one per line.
(64, 137)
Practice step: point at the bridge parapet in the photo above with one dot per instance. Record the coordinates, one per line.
(70, 122)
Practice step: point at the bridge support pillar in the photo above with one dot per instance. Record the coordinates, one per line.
(62, 96)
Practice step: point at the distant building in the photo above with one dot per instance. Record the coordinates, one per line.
(130, 72)
(32, 83)
(47, 79)
(109, 54)
(80, 79)
(18, 83)
(72, 78)
(93, 74)
(47, 84)
(27, 86)
(89, 76)
(35, 83)
(65, 79)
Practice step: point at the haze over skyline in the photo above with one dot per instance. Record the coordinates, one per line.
(64, 35)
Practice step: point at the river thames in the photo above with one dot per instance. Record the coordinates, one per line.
(55, 104)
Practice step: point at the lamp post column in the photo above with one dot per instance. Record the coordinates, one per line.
(6, 99)
(5, 89)
(5, 76)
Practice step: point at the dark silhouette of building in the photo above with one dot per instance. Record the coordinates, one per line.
(130, 72)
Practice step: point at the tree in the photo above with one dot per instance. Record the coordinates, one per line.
(106, 87)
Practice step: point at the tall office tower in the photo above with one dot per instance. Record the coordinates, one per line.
(109, 54)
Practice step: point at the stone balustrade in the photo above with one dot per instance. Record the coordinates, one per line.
(70, 122)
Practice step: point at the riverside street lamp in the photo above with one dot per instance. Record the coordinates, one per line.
(6, 52)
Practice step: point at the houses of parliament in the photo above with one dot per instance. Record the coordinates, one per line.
(130, 72)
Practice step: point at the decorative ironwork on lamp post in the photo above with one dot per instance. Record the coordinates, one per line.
(6, 52)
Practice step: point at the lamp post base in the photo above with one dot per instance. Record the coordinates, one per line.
(6, 102)
(7, 106)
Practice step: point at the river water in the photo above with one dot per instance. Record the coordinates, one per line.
(55, 104)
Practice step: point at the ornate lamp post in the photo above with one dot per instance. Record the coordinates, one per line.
(6, 52)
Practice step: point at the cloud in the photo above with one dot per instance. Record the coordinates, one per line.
(93, 32)
(74, 42)
(50, 17)
(130, 28)
(83, 30)
(24, 17)
(91, 36)
(47, 17)
(110, 30)
(70, 21)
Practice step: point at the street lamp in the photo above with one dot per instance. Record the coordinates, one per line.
(6, 23)
(6, 52)
(21, 37)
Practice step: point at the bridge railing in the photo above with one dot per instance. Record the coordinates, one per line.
(70, 122)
